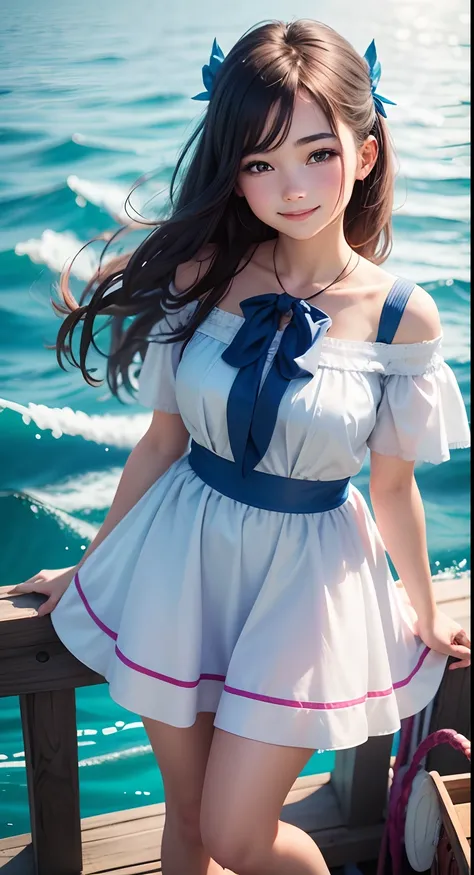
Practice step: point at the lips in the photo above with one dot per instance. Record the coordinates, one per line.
(300, 212)
(303, 214)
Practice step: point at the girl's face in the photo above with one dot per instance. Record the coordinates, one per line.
(305, 173)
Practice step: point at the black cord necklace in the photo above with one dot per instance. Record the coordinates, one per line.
(321, 290)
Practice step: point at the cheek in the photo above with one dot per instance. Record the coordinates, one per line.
(329, 178)
(256, 191)
(337, 182)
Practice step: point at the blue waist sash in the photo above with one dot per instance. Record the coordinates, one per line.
(268, 491)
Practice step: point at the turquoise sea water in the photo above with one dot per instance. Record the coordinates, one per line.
(92, 97)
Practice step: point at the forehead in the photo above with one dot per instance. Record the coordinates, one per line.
(308, 118)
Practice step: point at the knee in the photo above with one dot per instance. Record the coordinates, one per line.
(184, 820)
(231, 849)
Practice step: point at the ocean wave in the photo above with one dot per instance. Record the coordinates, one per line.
(107, 196)
(68, 151)
(136, 751)
(98, 59)
(109, 429)
(37, 535)
(10, 134)
(129, 753)
(55, 250)
(435, 206)
(82, 493)
(154, 100)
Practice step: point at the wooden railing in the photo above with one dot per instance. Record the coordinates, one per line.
(343, 811)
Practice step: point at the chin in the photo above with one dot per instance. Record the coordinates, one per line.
(299, 232)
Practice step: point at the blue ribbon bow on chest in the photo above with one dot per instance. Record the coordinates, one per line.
(252, 415)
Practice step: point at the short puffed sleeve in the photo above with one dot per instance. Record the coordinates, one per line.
(421, 415)
(156, 383)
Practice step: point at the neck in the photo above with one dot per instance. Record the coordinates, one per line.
(312, 263)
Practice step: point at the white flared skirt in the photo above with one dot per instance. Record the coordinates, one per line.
(289, 627)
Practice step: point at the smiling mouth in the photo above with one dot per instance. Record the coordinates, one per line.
(301, 212)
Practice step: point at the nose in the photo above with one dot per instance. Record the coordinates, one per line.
(293, 191)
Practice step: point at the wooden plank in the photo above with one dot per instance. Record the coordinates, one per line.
(460, 611)
(32, 657)
(463, 813)
(49, 732)
(136, 840)
(17, 860)
(452, 826)
(449, 589)
(458, 787)
(143, 869)
(363, 801)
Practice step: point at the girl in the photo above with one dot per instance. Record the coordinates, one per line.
(238, 596)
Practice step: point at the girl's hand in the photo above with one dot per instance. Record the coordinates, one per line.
(446, 636)
(50, 582)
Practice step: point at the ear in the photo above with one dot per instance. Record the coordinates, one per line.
(367, 157)
(238, 190)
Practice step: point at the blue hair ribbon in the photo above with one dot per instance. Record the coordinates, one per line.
(210, 70)
(375, 71)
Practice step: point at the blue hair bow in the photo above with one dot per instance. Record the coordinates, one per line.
(375, 71)
(209, 71)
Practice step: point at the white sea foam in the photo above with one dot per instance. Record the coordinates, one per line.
(105, 195)
(111, 197)
(57, 249)
(94, 490)
(129, 753)
(115, 431)
(139, 750)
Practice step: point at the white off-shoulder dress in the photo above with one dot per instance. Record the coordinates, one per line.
(288, 626)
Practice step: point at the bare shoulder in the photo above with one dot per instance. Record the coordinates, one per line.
(420, 320)
(189, 272)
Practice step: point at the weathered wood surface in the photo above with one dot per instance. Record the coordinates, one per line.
(454, 796)
(50, 738)
(129, 841)
(32, 658)
(343, 812)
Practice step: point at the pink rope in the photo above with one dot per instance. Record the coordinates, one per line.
(401, 788)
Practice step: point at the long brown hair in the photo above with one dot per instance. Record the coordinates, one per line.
(261, 74)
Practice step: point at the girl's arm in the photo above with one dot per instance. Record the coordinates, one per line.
(400, 519)
(165, 441)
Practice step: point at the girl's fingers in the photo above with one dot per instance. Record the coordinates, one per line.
(47, 606)
(28, 586)
(463, 663)
(462, 637)
(459, 651)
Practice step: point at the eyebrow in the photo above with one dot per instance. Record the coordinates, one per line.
(303, 141)
(313, 137)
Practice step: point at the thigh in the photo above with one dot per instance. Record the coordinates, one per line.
(245, 787)
(182, 755)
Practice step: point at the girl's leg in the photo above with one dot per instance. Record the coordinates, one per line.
(182, 757)
(245, 786)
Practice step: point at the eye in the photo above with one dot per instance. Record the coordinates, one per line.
(248, 167)
(323, 154)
